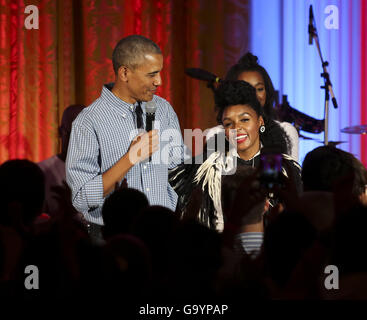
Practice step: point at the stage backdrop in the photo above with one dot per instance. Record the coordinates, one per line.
(295, 66)
(68, 59)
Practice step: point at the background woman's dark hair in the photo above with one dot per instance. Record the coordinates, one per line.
(249, 62)
(231, 93)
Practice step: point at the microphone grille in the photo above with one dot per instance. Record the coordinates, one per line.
(150, 107)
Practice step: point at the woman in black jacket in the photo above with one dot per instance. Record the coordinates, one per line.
(248, 133)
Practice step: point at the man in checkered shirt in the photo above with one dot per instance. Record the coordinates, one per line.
(105, 144)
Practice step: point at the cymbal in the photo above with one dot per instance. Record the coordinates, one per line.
(362, 129)
(305, 138)
(333, 143)
(330, 143)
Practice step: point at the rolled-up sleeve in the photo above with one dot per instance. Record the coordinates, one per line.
(83, 173)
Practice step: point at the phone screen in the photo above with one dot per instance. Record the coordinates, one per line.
(271, 170)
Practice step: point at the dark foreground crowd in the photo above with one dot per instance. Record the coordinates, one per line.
(150, 254)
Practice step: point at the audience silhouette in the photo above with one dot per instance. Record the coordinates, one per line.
(150, 254)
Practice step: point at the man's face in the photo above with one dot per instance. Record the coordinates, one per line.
(143, 81)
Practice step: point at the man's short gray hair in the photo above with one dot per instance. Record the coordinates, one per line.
(131, 50)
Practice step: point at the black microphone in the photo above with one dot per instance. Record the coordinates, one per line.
(150, 109)
(310, 25)
(202, 74)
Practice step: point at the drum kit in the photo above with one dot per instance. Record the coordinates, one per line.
(302, 121)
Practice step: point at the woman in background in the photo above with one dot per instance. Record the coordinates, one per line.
(249, 70)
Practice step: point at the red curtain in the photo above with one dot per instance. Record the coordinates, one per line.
(68, 59)
(36, 78)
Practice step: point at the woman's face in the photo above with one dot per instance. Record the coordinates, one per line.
(256, 80)
(246, 122)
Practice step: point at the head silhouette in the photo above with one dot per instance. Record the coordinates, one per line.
(119, 210)
(22, 191)
(327, 168)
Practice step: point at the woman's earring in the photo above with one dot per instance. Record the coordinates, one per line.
(262, 129)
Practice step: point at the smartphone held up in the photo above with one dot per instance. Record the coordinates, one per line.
(270, 170)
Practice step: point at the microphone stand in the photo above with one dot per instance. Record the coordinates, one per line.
(327, 83)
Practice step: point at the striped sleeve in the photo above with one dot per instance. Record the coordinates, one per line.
(83, 171)
(251, 242)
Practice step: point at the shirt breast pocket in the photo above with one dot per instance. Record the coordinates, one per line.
(114, 142)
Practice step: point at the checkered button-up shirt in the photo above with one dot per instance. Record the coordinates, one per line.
(102, 134)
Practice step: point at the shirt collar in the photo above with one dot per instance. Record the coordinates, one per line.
(116, 102)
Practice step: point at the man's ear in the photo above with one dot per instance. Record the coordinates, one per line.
(123, 73)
